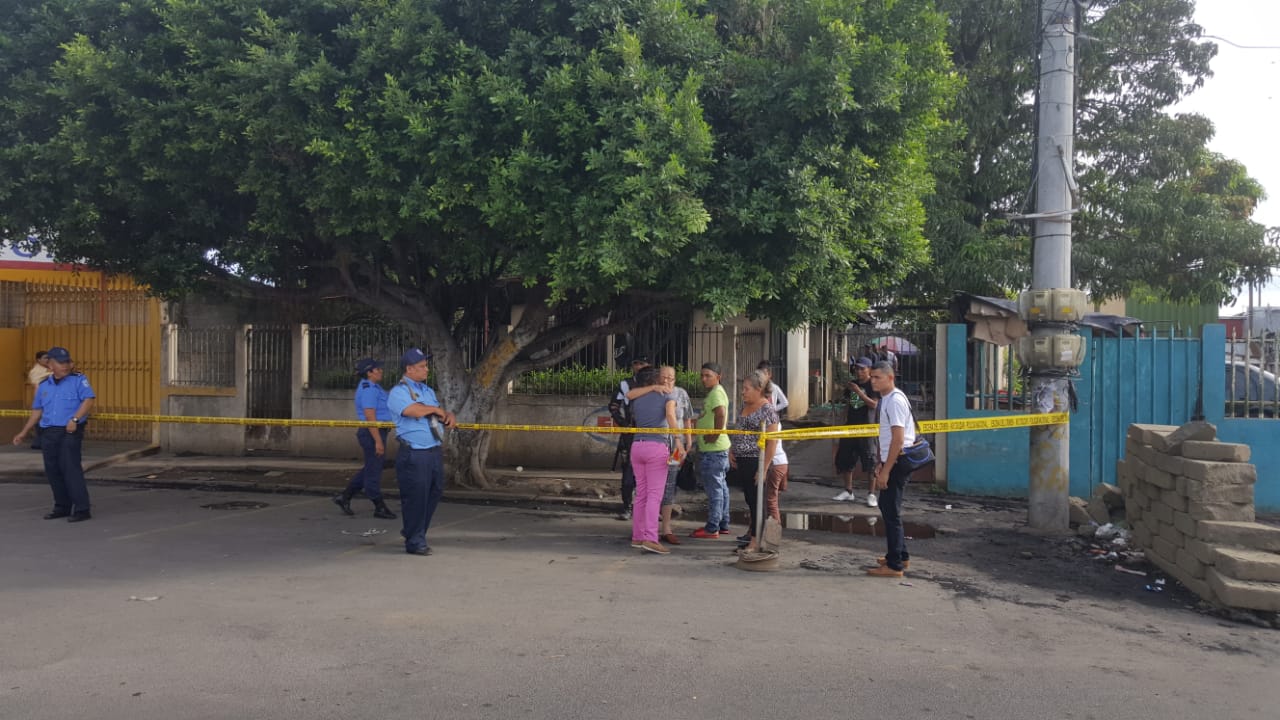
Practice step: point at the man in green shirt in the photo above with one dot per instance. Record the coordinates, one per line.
(713, 454)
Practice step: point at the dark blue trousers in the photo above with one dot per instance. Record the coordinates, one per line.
(369, 478)
(891, 511)
(63, 469)
(420, 474)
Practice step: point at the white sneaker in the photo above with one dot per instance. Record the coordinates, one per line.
(872, 501)
(843, 496)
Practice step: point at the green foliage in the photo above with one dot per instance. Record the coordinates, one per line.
(575, 380)
(451, 164)
(744, 155)
(579, 380)
(1159, 213)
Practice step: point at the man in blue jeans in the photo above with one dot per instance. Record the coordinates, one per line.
(713, 454)
(420, 462)
(897, 431)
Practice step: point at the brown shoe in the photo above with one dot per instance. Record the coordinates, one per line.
(653, 547)
(885, 572)
(670, 539)
(906, 564)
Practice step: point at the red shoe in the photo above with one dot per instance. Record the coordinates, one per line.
(702, 534)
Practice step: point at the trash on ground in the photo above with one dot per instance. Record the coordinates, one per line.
(1109, 543)
(1107, 531)
(367, 533)
(1130, 571)
(147, 598)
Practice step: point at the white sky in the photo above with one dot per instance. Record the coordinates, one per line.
(1243, 101)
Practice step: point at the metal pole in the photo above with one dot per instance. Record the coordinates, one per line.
(1050, 471)
(764, 446)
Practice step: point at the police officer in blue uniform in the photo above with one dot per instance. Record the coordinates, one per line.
(420, 462)
(61, 407)
(371, 406)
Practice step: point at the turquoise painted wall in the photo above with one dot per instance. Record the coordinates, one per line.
(1260, 434)
(1144, 380)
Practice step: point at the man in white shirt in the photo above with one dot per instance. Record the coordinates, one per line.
(897, 431)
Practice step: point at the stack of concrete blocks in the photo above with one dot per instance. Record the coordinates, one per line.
(1189, 502)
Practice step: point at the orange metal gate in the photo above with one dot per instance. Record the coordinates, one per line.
(112, 329)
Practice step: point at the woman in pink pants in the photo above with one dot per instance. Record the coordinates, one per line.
(649, 454)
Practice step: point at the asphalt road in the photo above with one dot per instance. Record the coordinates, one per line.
(274, 612)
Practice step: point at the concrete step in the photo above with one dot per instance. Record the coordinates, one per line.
(1247, 594)
(1245, 564)
(1241, 534)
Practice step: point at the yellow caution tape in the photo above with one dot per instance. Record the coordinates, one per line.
(927, 426)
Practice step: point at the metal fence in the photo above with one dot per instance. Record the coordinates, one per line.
(1253, 366)
(664, 338)
(994, 378)
(600, 366)
(912, 350)
(333, 351)
(203, 357)
(269, 384)
(51, 305)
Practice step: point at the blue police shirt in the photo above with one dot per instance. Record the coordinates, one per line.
(414, 432)
(58, 400)
(371, 395)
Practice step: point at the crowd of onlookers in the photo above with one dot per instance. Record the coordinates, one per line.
(652, 458)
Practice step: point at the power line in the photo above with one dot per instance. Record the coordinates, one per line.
(1242, 47)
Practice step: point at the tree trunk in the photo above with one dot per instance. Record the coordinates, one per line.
(473, 394)
(466, 450)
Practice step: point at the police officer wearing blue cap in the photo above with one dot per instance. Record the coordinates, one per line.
(371, 406)
(420, 462)
(62, 404)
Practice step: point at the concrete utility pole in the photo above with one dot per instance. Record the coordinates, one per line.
(1051, 269)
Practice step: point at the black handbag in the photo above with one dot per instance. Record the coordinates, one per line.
(686, 478)
(916, 456)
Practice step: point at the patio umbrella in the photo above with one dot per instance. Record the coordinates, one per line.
(901, 346)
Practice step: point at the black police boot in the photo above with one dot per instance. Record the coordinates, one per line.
(380, 510)
(344, 501)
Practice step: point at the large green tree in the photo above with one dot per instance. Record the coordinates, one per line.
(440, 161)
(1159, 214)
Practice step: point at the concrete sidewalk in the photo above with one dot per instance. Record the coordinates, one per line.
(23, 463)
(811, 491)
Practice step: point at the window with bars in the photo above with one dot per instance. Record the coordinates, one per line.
(13, 301)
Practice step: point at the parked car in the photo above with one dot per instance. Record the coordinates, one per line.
(1251, 391)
